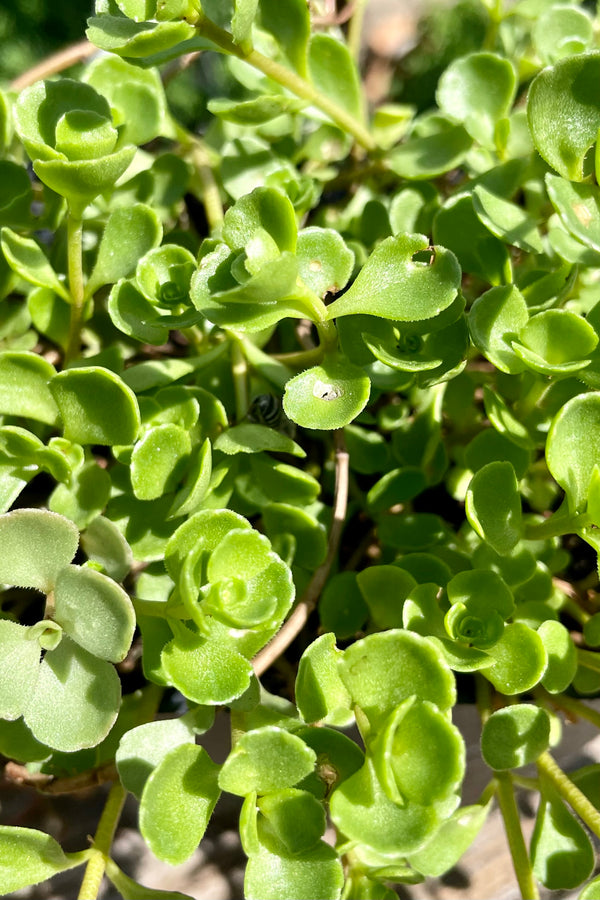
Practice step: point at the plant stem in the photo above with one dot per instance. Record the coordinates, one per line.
(94, 872)
(570, 792)
(556, 526)
(207, 187)
(299, 617)
(572, 706)
(76, 286)
(239, 370)
(589, 658)
(355, 28)
(516, 842)
(290, 80)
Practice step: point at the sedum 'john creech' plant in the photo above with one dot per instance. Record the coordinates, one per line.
(300, 419)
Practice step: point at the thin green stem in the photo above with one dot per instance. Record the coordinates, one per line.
(556, 526)
(76, 285)
(516, 842)
(570, 792)
(355, 28)
(290, 80)
(589, 659)
(204, 183)
(239, 370)
(94, 872)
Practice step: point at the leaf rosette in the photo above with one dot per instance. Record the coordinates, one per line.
(67, 129)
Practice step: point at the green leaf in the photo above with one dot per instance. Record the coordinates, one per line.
(555, 341)
(76, 699)
(128, 234)
(564, 113)
(561, 851)
(256, 111)
(95, 612)
(320, 692)
(342, 608)
(289, 23)
(394, 285)
(134, 315)
(520, 660)
(158, 461)
(493, 506)
(457, 227)
(208, 672)
(272, 876)
(333, 72)
(251, 438)
(102, 542)
(562, 656)
(328, 396)
(18, 668)
(242, 19)
(96, 406)
(28, 856)
(265, 210)
(136, 97)
(309, 535)
(177, 802)
(361, 810)
(50, 315)
(478, 90)
(506, 220)
(431, 154)
(295, 817)
(27, 259)
(24, 388)
(137, 39)
(36, 545)
(570, 458)
(144, 747)
(197, 482)
(264, 760)
(578, 206)
(419, 756)
(382, 670)
(515, 736)
(85, 498)
(449, 843)
(562, 30)
(325, 262)
(206, 527)
(385, 588)
(495, 318)
(591, 891)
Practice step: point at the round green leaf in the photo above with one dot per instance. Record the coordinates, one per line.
(578, 206)
(394, 285)
(76, 699)
(143, 748)
(263, 210)
(177, 802)
(515, 736)
(419, 755)
(24, 388)
(208, 672)
(264, 760)
(95, 612)
(449, 843)
(316, 873)
(342, 608)
(36, 545)
(384, 589)
(478, 90)
(572, 447)
(562, 30)
(28, 260)
(96, 406)
(493, 506)
(520, 660)
(249, 437)
(334, 73)
(382, 670)
(103, 542)
(506, 220)
(564, 113)
(325, 263)
(431, 154)
(494, 319)
(361, 810)
(328, 396)
(562, 656)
